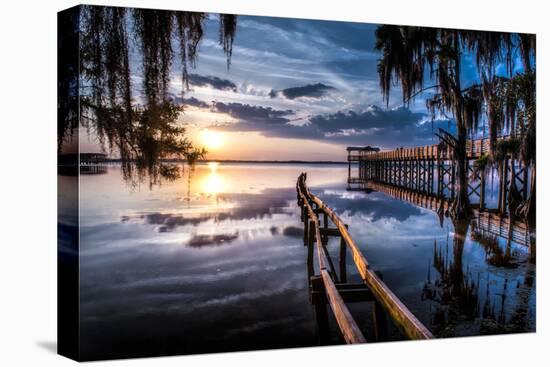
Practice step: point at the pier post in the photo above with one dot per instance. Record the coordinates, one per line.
(310, 271)
(342, 262)
(482, 191)
(418, 173)
(406, 174)
(306, 229)
(320, 309)
(525, 181)
(379, 317)
(325, 226)
(311, 235)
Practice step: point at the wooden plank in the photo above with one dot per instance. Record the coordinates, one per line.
(350, 331)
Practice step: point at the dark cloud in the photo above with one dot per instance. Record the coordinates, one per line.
(374, 126)
(212, 81)
(212, 240)
(373, 118)
(311, 90)
(192, 102)
(167, 221)
(266, 120)
(257, 115)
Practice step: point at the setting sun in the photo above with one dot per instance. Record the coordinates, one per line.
(212, 139)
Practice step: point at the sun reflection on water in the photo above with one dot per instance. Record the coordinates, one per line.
(213, 166)
(213, 183)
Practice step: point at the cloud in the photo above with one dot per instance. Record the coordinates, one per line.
(374, 205)
(192, 101)
(212, 240)
(251, 114)
(373, 118)
(331, 69)
(386, 128)
(245, 207)
(212, 81)
(311, 91)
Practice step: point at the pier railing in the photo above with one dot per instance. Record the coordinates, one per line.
(384, 298)
(474, 149)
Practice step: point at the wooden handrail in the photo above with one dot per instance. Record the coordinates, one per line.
(403, 318)
(350, 330)
(474, 149)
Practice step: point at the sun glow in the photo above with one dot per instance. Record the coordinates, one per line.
(213, 166)
(213, 183)
(212, 140)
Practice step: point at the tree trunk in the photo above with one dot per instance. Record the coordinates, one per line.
(456, 271)
(514, 197)
(529, 210)
(461, 205)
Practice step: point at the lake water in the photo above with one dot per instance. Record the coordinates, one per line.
(215, 261)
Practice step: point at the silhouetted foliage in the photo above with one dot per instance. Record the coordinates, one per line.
(414, 55)
(141, 127)
(67, 75)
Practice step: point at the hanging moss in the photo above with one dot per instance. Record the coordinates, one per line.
(412, 55)
(141, 127)
(228, 28)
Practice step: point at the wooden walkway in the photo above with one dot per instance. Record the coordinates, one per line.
(474, 149)
(431, 169)
(331, 287)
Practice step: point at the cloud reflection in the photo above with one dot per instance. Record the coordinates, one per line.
(375, 206)
(212, 240)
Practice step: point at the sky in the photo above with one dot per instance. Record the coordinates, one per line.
(295, 90)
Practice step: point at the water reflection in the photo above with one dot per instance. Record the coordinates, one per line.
(212, 240)
(480, 275)
(214, 183)
(161, 266)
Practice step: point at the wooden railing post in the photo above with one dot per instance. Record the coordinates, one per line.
(320, 310)
(342, 262)
(482, 191)
(379, 318)
(306, 229)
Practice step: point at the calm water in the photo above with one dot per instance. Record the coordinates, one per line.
(215, 262)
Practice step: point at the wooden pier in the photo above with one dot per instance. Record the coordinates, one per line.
(431, 169)
(330, 286)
